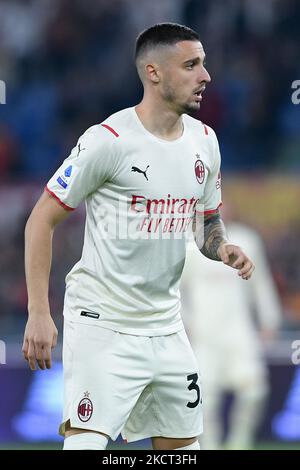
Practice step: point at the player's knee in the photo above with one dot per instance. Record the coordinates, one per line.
(193, 446)
(168, 443)
(86, 440)
(256, 393)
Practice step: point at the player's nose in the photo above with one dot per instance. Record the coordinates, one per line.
(204, 76)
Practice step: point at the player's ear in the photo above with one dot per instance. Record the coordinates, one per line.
(152, 72)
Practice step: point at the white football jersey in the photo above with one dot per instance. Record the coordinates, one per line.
(141, 193)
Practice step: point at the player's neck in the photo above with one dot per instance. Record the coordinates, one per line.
(159, 120)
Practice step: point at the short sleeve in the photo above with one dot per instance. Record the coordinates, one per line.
(212, 191)
(90, 164)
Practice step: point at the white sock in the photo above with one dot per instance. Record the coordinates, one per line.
(194, 446)
(86, 441)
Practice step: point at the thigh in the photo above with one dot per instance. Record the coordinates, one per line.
(163, 443)
(105, 372)
(177, 387)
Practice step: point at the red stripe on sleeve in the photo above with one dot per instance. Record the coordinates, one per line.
(211, 211)
(205, 129)
(110, 129)
(67, 208)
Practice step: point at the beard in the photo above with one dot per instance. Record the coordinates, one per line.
(181, 107)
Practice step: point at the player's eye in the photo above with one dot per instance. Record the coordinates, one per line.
(190, 66)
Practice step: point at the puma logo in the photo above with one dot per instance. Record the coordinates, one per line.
(79, 150)
(136, 169)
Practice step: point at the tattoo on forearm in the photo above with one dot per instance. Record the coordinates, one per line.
(214, 235)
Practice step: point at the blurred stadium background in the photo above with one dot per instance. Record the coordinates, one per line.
(67, 64)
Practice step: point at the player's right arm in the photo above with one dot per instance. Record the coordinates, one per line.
(91, 162)
(40, 333)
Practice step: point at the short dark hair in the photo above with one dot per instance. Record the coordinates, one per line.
(165, 34)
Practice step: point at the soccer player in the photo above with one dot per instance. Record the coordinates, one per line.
(146, 174)
(227, 340)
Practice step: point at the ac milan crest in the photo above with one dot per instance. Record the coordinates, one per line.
(85, 408)
(199, 171)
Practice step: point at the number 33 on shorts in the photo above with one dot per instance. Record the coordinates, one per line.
(194, 386)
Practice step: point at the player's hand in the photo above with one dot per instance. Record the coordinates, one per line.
(234, 256)
(39, 338)
(268, 335)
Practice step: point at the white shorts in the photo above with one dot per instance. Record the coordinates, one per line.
(139, 386)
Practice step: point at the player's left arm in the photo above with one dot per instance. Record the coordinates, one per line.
(217, 247)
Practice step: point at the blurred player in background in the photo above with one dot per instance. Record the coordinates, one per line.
(219, 314)
(146, 174)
